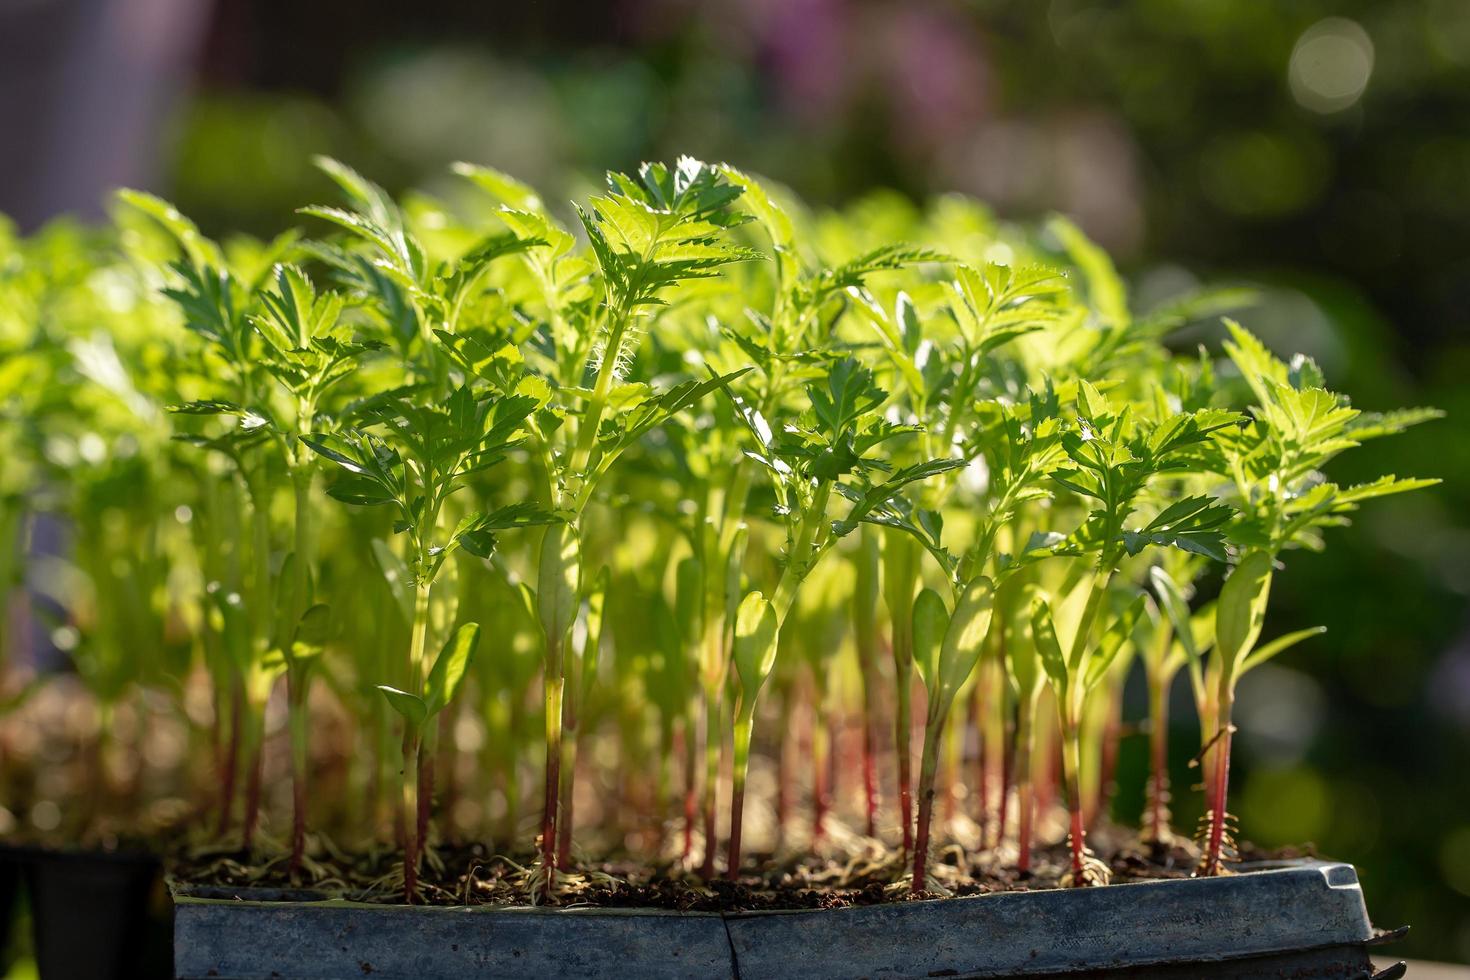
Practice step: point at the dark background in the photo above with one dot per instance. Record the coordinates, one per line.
(1321, 150)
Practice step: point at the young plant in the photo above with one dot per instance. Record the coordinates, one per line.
(426, 454)
(947, 648)
(223, 306)
(1283, 501)
(1176, 639)
(1024, 667)
(648, 236)
(820, 452)
(1113, 456)
(865, 598)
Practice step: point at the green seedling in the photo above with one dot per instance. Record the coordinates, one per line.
(427, 454)
(1283, 501)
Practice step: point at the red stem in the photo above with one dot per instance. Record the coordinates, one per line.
(737, 815)
(425, 800)
(902, 723)
(921, 846)
(1213, 864)
(298, 822)
(549, 811)
(564, 830)
(1078, 841)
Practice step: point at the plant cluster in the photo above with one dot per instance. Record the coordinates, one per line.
(450, 473)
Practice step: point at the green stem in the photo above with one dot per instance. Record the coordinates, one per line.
(713, 743)
(554, 686)
(1025, 736)
(597, 404)
(418, 638)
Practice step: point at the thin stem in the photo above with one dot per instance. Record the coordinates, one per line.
(1213, 861)
(1071, 768)
(933, 732)
(253, 736)
(713, 743)
(902, 729)
(550, 801)
(419, 637)
(230, 760)
(1025, 736)
(410, 811)
(821, 747)
(1156, 822)
(565, 819)
(297, 684)
(692, 739)
(744, 721)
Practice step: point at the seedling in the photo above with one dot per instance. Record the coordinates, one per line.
(721, 446)
(1283, 501)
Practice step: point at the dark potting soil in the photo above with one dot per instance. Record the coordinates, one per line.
(867, 874)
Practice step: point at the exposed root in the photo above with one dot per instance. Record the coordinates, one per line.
(1094, 872)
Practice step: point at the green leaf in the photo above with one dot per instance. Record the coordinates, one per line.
(1282, 643)
(1176, 607)
(1104, 286)
(476, 532)
(396, 574)
(410, 706)
(557, 581)
(756, 634)
(1241, 610)
(848, 392)
(930, 621)
(1381, 487)
(503, 187)
(360, 490)
(448, 672)
(1048, 647)
(200, 250)
(596, 623)
(964, 640)
(1114, 638)
(1192, 524)
(314, 629)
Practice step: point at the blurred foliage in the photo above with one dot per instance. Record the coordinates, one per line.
(1320, 149)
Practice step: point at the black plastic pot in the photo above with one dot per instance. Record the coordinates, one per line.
(1303, 919)
(97, 915)
(10, 872)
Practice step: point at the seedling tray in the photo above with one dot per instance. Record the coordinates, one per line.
(1305, 919)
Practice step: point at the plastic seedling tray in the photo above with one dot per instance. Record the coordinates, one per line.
(1301, 919)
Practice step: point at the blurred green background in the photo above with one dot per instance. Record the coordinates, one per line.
(1320, 150)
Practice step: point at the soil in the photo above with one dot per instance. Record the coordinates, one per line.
(868, 874)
